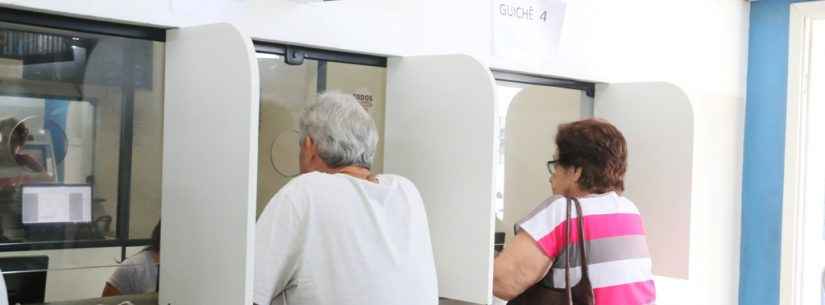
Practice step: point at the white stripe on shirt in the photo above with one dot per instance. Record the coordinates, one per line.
(545, 221)
(609, 274)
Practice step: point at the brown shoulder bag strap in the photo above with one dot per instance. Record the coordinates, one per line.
(582, 248)
(567, 227)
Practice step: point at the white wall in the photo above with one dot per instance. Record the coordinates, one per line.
(602, 40)
(698, 45)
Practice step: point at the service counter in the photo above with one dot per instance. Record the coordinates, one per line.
(152, 299)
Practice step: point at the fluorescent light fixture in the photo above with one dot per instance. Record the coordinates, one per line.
(268, 56)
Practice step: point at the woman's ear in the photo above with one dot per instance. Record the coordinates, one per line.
(577, 173)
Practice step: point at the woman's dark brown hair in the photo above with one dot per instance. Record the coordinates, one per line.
(599, 149)
(155, 246)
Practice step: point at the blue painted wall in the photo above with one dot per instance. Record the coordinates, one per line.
(764, 157)
(55, 118)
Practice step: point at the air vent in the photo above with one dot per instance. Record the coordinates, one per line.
(35, 48)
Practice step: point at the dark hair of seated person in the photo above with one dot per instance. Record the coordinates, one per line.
(155, 245)
(18, 138)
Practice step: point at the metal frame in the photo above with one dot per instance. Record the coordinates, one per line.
(589, 88)
(296, 54)
(11, 15)
(58, 22)
(124, 179)
(77, 244)
(321, 84)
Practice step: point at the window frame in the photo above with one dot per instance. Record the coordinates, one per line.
(589, 88)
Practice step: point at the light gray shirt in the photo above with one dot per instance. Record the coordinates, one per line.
(337, 240)
(4, 299)
(136, 275)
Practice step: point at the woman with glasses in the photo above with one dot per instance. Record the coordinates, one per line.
(589, 165)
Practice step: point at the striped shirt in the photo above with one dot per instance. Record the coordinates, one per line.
(619, 261)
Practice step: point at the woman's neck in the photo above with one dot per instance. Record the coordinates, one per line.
(577, 192)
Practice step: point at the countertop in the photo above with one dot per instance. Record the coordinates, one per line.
(152, 299)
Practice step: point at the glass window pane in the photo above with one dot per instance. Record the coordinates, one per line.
(75, 109)
(64, 275)
(147, 152)
(63, 100)
(368, 85)
(285, 91)
(527, 118)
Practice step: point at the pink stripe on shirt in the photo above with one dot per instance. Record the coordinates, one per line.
(641, 293)
(622, 273)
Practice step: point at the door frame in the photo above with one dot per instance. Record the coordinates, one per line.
(796, 145)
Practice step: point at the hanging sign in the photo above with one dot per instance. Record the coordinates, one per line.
(527, 28)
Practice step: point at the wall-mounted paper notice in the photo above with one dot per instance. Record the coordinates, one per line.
(527, 28)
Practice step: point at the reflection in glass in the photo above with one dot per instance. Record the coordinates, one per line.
(527, 119)
(368, 85)
(284, 153)
(505, 93)
(34, 150)
(285, 91)
(54, 276)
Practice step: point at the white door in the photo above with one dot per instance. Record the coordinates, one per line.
(803, 222)
(812, 220)
(210, 147)
(440, 132)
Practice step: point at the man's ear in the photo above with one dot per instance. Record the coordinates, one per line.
(307, 143)
(310, 148)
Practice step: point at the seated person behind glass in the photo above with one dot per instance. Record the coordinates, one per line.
(18, 138)
(12, 159)
(139, 273)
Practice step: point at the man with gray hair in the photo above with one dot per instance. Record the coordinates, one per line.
(338, 234)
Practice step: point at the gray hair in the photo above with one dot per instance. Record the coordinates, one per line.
(343, 131)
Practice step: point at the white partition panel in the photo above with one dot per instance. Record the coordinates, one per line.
(657, 122)
(440, 134)
(532, 121)
(209, 166)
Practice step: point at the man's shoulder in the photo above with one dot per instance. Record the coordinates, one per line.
(310, 180)
(393, 179)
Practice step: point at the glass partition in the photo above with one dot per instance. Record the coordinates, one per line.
(81, 121)
(285, 91)
(527, 117)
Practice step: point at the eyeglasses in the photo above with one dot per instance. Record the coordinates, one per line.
(551, 166)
